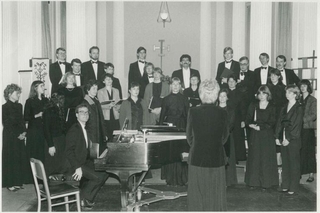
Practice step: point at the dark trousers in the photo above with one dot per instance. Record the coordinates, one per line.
(290, 167)
(94, 181)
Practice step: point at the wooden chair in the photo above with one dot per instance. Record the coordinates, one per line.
(52, 192)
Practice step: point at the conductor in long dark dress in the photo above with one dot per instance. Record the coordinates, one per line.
(207, 131)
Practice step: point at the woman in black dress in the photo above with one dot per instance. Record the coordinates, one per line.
(174, 110)
(308, 138)
(288, 136)
(55, 131)
(278, 92)
(192, 93)
(236, 101)
(33, 112)
(14, 156)
(73, 96)
(231, 169)
(261, 169)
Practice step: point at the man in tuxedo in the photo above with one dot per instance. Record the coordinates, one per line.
(57, 69)
(78, 146)
(76, 70)
(288, 76)
(93, 69)
(245, 81)
(227, 64)
(109, 68)
(261, 74)
(185, 72)
(136, 69)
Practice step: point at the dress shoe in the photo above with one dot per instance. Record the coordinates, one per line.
(310, 179)
(87, 203)
(282, 190)
(12, 189)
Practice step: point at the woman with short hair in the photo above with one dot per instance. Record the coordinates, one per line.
(261, 169)
(288, 136)
(14, 156)
(95, 125)
(153, 95)
(207, 131)
(308, 138)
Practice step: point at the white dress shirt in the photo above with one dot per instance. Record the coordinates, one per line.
(264, 75)
(78, 80)
(95, 68)
(241, 77)
(141, 67)
(227, 65)
(186, 77)
(284, 77)
(84, 133)
(62, 67)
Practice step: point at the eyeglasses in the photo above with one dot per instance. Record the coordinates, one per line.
(243, 64)
(83, 112)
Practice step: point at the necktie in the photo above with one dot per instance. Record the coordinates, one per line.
(241, 73)
(142, 61)
(264, 68)
(60, 62)
(94, 62)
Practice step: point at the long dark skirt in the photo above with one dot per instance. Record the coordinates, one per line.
(14, 161)
(239, 139)
(262, 169)
(207, 189)
(308, 151)
(175, 174)
(58, 163)
(231, 168)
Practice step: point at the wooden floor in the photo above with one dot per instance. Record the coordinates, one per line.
(22, 199)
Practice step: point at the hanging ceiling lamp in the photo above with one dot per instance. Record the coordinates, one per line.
(164, 15)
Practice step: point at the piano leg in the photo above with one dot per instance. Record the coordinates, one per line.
(124, 176)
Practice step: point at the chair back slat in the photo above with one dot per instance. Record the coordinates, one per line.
(39, 173)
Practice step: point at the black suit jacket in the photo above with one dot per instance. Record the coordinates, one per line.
(116, 84)
(134, 73)
(55, 75)
(178, 74)
(235, 67)
(246, 86)
(76, 151)
(257, 78)
(292, 78)
(88, 72)
(207, 131)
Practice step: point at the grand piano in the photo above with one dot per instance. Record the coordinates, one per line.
(131, 153)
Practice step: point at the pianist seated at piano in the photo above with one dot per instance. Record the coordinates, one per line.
(174, 110)
(109, 98)
(153, 95)
(133, 108)
(192, 92)
(78, 144)
(207, 131)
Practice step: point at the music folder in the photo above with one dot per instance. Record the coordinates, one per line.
(226, 73)
(155, 102)
(110, 101)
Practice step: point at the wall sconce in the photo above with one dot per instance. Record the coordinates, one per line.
(164, 15)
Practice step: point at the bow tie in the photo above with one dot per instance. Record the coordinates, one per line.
(94, 62)
(264, 67)
(282, 70)
(62, 62)
(77, 74)
(228, 61)
(142, 61)
(150, 76)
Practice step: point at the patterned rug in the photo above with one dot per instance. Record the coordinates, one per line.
(239, 198)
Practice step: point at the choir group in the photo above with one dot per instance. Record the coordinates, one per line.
(271, 107)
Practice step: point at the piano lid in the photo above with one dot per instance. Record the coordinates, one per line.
(160, 128)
